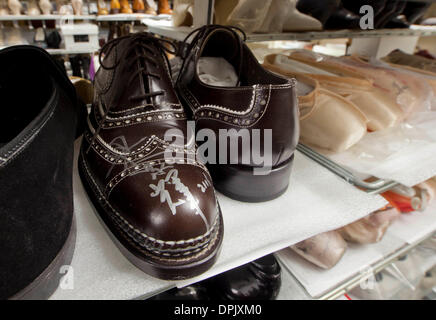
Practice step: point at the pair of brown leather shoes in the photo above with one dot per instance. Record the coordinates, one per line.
(138, 157)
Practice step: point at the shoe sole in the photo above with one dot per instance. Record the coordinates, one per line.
(155, 265)
(48, 281)
(239, 182)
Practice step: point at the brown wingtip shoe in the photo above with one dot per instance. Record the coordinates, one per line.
(161, 212)
(261, 106)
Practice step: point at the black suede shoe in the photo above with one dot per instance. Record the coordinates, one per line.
(37, 129)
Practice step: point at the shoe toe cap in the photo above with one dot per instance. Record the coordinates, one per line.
(171, 204)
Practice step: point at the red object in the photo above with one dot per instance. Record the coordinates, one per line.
(401, 203)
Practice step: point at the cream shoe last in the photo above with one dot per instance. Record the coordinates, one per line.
(297, 21)
(380, 110)
(15, 6)
(33, 9)
(323, 250)
(327, 120)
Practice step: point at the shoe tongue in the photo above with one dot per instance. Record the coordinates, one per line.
(129, 87)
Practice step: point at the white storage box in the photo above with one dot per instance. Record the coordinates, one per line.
(83, 36)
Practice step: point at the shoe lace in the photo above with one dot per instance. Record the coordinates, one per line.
(186, 48)
(145, 47)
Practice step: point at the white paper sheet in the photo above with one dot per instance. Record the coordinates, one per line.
(316, 201)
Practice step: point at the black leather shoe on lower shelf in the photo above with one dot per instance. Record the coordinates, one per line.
(38, 126)
(257, 280)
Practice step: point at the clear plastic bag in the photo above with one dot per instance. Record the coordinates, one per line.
(392, 153)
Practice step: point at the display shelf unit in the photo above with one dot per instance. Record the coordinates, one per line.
(46, 17)
(132, 17)
(91, 17)
(65, 51)
(165, 29)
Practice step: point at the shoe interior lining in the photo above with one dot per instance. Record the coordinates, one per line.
(25, 88)
(223, 44)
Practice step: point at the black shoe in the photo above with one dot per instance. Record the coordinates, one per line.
(321, 10)
(37, 130)
(415, 10)
(397, 23)
(342, 19)
(331, 13)
(193, 292)
(392, 10)
(355, 5)
(257, 280)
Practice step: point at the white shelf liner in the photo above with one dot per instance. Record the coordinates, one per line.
(316, 201)
(408, 228)
(356, 259)
(414, 226)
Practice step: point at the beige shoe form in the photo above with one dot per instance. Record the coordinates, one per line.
(323, 250)
(45, 6)
(4, 10)
(33, 9)
(297, 21)
(15, 6)
(380, 111)
(401, 58)
(430, 186)
(183, 13)
(327, 120)
(102, 8)
(14, 36)
(370, 229)
(77, 7)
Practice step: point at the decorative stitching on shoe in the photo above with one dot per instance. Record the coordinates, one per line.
(30, 136)
(148, 105)
(144, 167)
(259, 109)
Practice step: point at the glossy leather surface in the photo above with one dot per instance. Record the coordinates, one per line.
(261, 101)
(342, 19)
(257, 280)
(165, 210)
